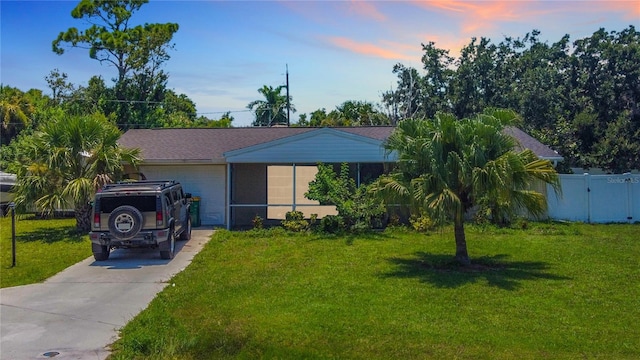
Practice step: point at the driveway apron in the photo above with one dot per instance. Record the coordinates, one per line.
(77, 313)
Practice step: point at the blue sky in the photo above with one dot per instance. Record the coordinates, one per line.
(335, 50)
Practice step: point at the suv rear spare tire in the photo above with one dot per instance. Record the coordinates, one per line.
(125, 222)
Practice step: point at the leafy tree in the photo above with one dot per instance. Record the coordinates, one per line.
(302, 120)
(446, 166)
(472, 87)
(319, 118)
(60, 87)
(272, 110)
(137, 52)
(66, 161)
(95, 97)
(349, 113)
(361, 113)
(357, 210)
(111, 39)
(225, 121)
(407, 100)
(569, 94)
(174, 103)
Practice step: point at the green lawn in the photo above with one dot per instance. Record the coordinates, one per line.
(43, 248)
(553, 291)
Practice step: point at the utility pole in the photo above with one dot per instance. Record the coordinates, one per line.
(288, 105)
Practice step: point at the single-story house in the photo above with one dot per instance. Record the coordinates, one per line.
(241, 173)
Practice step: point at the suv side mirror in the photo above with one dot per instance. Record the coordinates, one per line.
(187, 195)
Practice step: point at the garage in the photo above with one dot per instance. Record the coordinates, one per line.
(204, 181)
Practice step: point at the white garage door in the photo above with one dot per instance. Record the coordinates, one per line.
(205, 181)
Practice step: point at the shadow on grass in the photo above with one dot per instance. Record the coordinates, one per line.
(443, 271)
(53, 235)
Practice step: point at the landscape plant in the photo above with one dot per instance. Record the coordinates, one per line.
(294, 221)
(357, 209)
(65, 161)
(446, 166)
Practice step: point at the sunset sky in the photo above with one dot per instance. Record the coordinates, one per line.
(335, 50)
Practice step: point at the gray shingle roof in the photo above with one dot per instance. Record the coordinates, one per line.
(209, 145)
(526, 141)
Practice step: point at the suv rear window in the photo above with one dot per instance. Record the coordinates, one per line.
(142, 203)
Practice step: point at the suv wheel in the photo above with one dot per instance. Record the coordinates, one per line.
(100, 252)
(125, 222)
(168, 254)
(186, 233)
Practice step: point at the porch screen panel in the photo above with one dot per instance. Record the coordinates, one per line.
(279, 191)
(280, 197)
(305, 175)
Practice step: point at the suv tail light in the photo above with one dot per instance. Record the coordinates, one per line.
(159, 216)
(96, 214)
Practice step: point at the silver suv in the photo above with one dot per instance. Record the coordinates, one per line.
(140, 214)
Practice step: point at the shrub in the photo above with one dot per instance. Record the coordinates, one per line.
(294, 221)
(357, 208)
(332, 224)
(258, 222)
(313, 220)
(422, 223)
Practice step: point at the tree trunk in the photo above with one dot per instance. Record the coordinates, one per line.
(83, 217)
(462, 256)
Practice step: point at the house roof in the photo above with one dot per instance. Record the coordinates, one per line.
(209, 145)
(527, 141)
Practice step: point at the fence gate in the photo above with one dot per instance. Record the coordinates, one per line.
(596, 198)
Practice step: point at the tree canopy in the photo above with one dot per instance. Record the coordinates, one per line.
(112, 39)
(581, 98)
(66, 161)
(273, 109)
(137, 52)
(446, 166)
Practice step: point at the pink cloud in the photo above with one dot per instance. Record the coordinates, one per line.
(370, 49)
(366, 9)
(476, 16)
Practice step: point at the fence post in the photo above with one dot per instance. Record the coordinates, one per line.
(12, 205)
(587, 183)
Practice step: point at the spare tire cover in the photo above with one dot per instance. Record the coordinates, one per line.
(125, 222)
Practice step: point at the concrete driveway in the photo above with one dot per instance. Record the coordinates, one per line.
(77, 313)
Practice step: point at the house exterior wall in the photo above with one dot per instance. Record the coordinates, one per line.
(205, 181)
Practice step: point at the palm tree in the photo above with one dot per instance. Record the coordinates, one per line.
(67, 160)
(447, 166)
(272, 110)
(15, 113)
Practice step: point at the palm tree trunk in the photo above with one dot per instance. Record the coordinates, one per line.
(462, 256)
(83, 217)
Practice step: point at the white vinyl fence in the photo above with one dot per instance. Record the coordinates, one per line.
(596, 198)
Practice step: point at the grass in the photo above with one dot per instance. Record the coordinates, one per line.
(553, 291)
(43, 248)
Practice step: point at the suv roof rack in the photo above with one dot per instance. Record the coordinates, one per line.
(161, 184)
